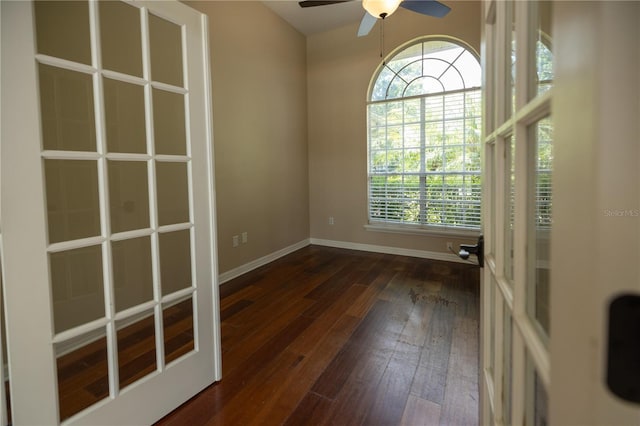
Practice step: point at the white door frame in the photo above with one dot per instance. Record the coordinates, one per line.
(25, 264)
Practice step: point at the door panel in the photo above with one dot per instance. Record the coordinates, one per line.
(518, 197)
(118, 246)
(576, 233)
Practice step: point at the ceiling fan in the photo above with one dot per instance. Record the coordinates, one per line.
(380, 9)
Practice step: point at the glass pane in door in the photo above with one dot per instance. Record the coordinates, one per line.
(178, 329)
(173, 192)
(175, 261)
(128, 195)
(169, 123)
(120, 26)
(490, 149)
(82, 372)
(510, 202)
(541, 72)
(136, 348)
(77, 287)
(536, 399)
(491, 79)
(511, 63)
(540, 222)
(165, 39)
(132, 272)
(73, 207)
(125, 117)
(507, 365)
(73, 43)
(67, 110)
(493, 289)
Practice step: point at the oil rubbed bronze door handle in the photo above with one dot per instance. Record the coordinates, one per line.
(478, 249)
(623, 354)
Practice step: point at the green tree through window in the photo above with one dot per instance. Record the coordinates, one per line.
(424, 115)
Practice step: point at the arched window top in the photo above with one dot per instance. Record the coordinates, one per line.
(425, 67)
(424, 140)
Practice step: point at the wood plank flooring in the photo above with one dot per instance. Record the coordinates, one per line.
(341, 337)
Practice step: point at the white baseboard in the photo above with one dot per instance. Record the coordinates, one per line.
(254, 264)
(433, 255)
(243, 269)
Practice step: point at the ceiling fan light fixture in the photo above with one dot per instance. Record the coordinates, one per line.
(380, 8)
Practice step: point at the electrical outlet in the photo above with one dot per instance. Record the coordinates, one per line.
(236, 242)
(331, 221)
(449, 245)
(245, 237)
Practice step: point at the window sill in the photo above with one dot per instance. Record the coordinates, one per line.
(418, 230)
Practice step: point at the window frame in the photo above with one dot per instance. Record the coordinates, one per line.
(422, 225)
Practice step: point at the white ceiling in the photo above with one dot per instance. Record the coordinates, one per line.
(311, 20)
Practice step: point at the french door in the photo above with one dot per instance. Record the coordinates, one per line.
(561, 200)
(518, 66)
(108, 227)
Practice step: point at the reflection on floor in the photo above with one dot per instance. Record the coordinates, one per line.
(82, 373)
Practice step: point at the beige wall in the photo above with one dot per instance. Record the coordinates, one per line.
(340, 67)
(260, 129)
(289, 117)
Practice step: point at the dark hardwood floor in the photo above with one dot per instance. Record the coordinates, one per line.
(332, 336)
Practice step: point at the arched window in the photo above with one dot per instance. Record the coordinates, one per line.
(424, 137)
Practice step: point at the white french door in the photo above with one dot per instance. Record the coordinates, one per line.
(560, 214)
(518, 66)
(108, 226)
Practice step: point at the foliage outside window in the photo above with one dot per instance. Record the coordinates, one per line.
(543, 177)
(424, 121)
(544, 137)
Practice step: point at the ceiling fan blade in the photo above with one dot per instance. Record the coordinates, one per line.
(367, 23)
(313, 3)
(427, 7)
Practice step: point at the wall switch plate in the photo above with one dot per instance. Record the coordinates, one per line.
(235, 241)
(331, 221)
(245, 237)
